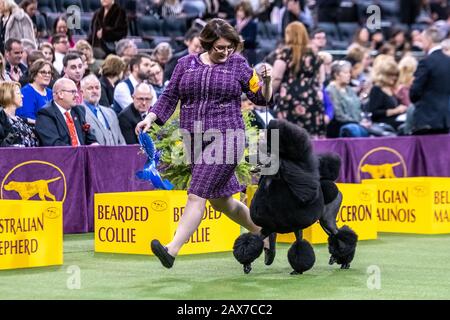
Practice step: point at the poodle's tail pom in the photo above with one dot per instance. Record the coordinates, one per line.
(342, 247)
(301, 256)
(247, 248)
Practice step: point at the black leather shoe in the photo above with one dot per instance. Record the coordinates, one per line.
(269, 253)
(163, 255)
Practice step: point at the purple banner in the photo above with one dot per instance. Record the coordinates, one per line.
(74, 175)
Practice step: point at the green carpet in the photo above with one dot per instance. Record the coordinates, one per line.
(411, 267)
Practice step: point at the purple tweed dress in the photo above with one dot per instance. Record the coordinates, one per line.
(210, 96)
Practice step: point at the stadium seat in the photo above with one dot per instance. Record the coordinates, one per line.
(347, 31)
(45, 6)
(41, 22)
(194, 8)
(91, 5)
(86, 21)
(149, 27)
(174, 27)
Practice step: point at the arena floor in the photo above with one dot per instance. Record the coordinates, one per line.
(410, 267)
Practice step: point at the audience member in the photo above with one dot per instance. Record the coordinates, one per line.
(296, 76)
(430, 91)
(3, 75)
(93, 64)
(13, 56)
(157, 78)
(14, 24)
(36, 94)
(112, 71)
(318, 40)
(162, 53)
(103, 121)
(62, 122)
(14, 131)
(247, 27)
(192, 42)
(135, 112)
(109, 25)
(60, 43)
(74, 69)
(60, 27)
(140, 67)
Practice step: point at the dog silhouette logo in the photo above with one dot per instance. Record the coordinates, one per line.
(34, 180)
(382, 163)
(27, 190)
(385, 170)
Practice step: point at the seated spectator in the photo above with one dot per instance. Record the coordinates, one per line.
(162, 53)
(13, 56)
(376, 40)
(407, 66)
(140, 67)
(62, 122)
(15, 24)
(247, 27)
(296, 10)
(347, 105)
(399, 41)
(31, 58)
(48, 51)
(318, 40)
(109, 25)
(14, 131)
(27, 46)
(60, 43)
(102, 120)
(171, 8)
(36, 94)
(93, 64)
(74, 69)
(362, 37)
(3, 75)
(383, 104)
(112, 71)
(359, 58)
(126, 48)
(157, 78)
(192, 42)
(135, 112)
(60, 27)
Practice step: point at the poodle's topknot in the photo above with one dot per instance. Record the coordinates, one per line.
(329, 166)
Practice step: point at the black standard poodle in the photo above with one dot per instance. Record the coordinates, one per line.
(302, 192)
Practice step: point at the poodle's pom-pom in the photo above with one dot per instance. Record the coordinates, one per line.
(301, 256)
(247, 248)
(329, 166)
(342, 246)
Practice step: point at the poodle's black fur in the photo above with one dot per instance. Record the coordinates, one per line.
(301, 193)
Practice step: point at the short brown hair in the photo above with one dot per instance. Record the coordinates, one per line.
(113, 66)
(218, 28)
(246, 7)
(37, 66)
(7, 94)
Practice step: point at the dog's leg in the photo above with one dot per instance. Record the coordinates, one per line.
(328, 219)
(298, 235)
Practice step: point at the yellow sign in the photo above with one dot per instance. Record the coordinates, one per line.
(127, 222)
(413, 205)
(31, 234)
(358, 211)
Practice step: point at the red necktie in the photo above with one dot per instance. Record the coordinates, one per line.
(72, 130)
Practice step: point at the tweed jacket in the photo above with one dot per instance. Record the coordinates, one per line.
(209, 95)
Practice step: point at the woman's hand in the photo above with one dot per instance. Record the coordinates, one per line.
(100, 33)
(145, 124)
(267, 83)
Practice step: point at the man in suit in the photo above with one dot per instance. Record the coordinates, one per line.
(135, 112)
(430, 91)
(103, 121)
(62, 122)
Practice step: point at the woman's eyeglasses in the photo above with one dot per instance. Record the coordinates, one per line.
(45, 73)
(221, 49)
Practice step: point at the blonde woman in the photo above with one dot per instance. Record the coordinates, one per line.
(93, 64)
(14, 131)
(407, 66)
(296, 78)
(15, 23)
(383, 104)
(3, 75)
